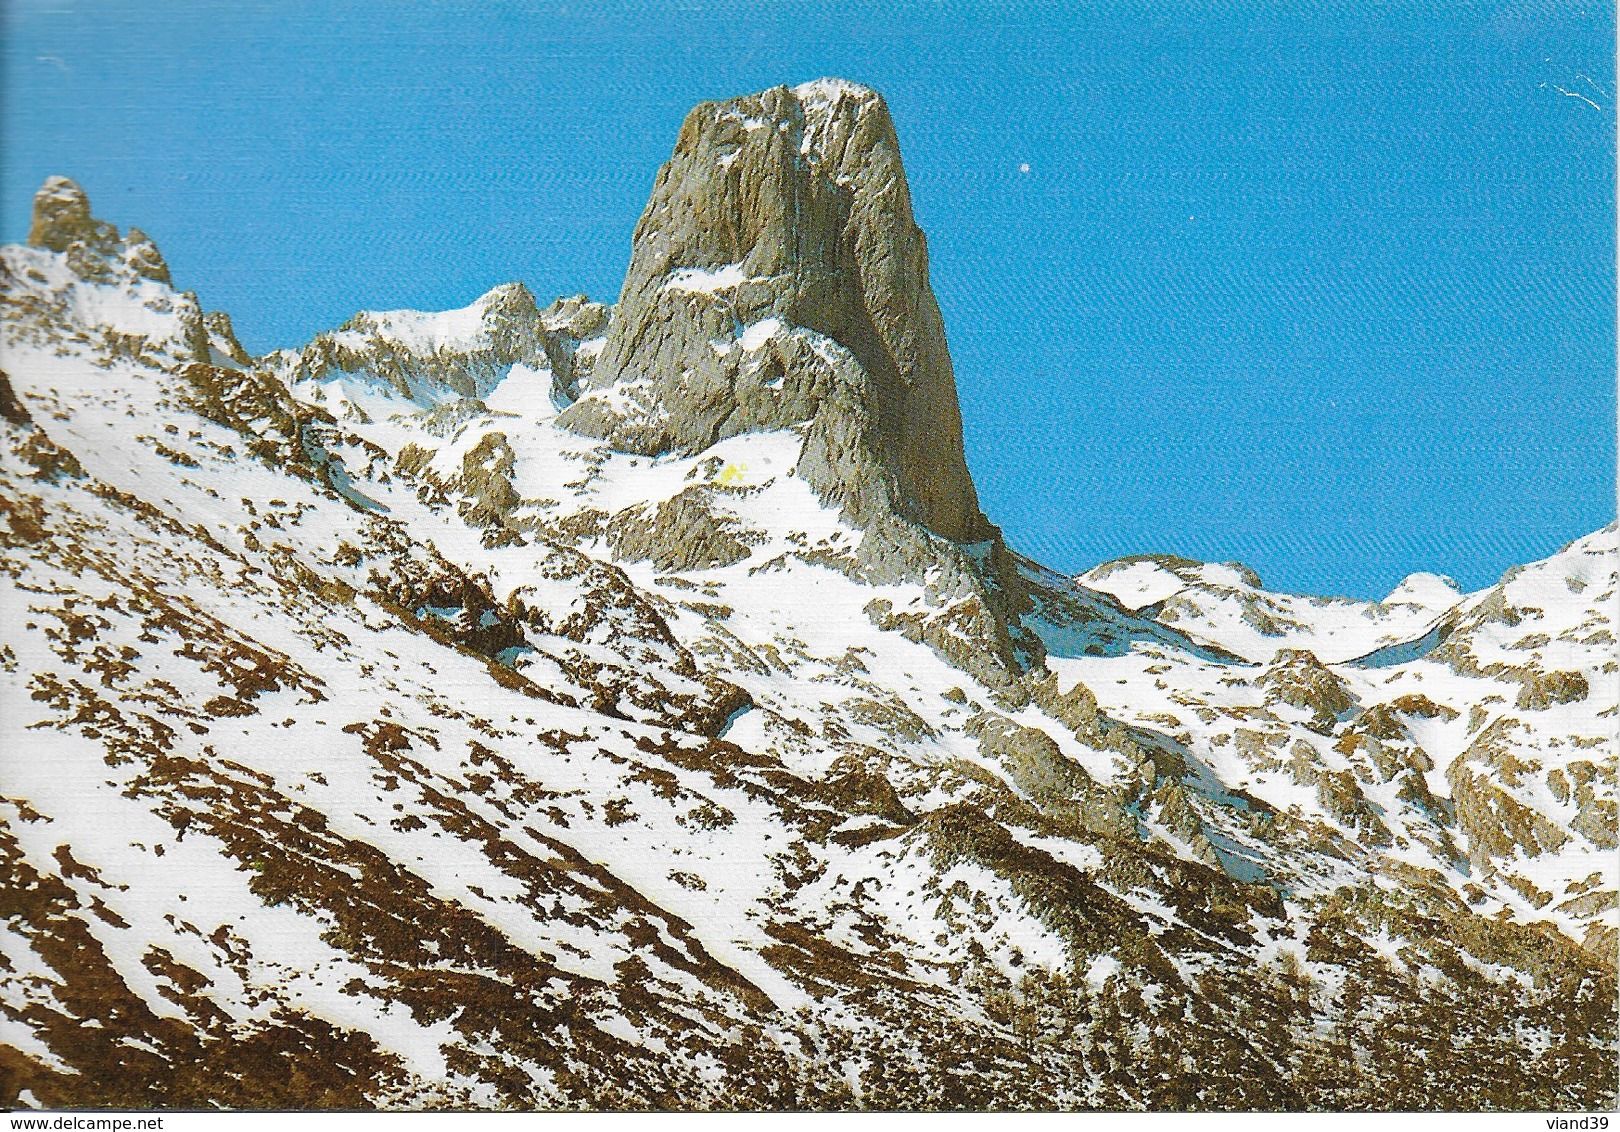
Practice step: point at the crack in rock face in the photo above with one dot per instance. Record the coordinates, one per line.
(778, 279)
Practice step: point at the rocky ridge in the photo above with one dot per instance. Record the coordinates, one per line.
(432, 359)
(778, 279)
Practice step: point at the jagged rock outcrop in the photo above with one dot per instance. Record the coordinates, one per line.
(1484, 780)
(11, 409)
(218, 325)
(62, 219)
(1058, 786)
(485, 482)
(432, 357)
(428, 756)
(68, 246)
(573, 335)
(144, 259)
(779, 279)
(684, 532)
(1541, 690)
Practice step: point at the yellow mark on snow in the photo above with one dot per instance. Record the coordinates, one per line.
(732, 473)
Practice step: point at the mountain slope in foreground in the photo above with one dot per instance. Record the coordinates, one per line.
(631, 707)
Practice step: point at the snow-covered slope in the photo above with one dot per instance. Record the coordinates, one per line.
(373, 738)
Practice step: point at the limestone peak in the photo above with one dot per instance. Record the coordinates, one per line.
(779, 279)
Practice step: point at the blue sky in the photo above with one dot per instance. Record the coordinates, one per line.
(1326, 288)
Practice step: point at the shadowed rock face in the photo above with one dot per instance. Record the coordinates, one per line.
(778, 278)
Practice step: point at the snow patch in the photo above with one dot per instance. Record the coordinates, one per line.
(756, 334)
(706, 280)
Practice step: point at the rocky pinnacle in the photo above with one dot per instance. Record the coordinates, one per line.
(777, 279)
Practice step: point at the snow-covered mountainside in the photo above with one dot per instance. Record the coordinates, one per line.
(631, 707)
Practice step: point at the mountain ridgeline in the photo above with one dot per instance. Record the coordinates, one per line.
(630, 706)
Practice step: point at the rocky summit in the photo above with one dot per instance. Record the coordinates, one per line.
(778, 279)
(629, 706)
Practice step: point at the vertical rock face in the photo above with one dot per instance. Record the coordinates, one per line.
(69, 246)
(778, 278)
